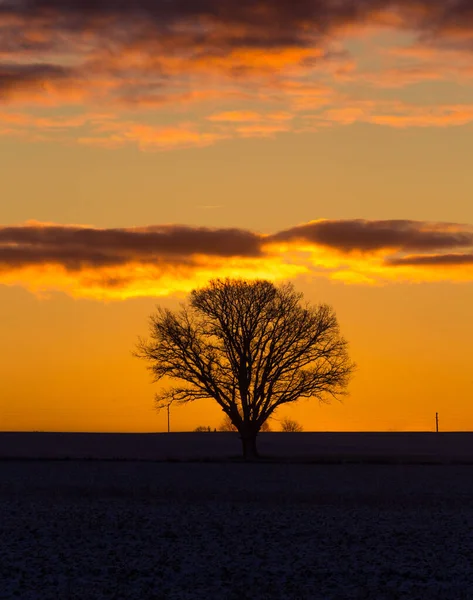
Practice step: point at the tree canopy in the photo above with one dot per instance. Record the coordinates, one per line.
(252, 347)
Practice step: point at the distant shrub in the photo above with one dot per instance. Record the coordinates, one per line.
(290, 426)
(227, 425)
(203, 429)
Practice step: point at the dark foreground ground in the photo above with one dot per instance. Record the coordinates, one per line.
(402, 447)
(125, 530)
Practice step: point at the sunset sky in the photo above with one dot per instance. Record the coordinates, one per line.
(149, 145)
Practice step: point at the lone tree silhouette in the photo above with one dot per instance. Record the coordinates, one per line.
(250, 346)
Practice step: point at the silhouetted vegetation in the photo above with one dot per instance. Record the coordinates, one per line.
(250, 346)
(291, 426)
(227, 425)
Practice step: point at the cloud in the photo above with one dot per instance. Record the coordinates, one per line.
(173, 259)
(433, 260)
(12, 75)
(371, 236)
(399, 77)
(53, 123)
(280, 23)
(73, 246)
(235, 116)
(394, 114)
(251, 123)
(437, 116)
(262, 129)
(244, 61)
(39, 83)
(149, 138)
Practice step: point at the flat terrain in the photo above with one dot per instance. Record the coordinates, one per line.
(175, 531)
(423, 447)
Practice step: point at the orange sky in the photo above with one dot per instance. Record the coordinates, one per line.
(145, 151)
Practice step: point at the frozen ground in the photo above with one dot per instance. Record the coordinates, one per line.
(445, 447)
(125, 530)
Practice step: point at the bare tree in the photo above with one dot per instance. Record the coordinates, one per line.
(290, 426)
(250, 346)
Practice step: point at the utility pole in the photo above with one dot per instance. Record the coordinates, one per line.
(169, 417)
(436, 422)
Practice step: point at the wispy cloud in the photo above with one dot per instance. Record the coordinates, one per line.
(147, 137)
(395, 114)
(433, 260)
(248, 116)
(170, 259)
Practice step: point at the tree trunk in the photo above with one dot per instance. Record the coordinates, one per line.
(249, 447)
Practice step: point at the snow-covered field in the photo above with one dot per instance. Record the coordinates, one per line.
(445, 447)
(125, 530)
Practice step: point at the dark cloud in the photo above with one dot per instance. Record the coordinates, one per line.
(72, 260)
(14, 75)
(283, 15)
(368, 236)
(269, 19)
(98, 32)
(432, 260)
(76, 248)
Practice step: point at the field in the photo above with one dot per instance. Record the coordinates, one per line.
(230, 531)
(407, 447)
